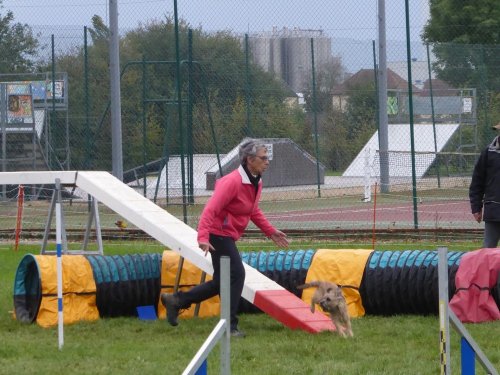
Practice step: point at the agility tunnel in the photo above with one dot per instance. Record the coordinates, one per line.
(373, 282)
(405, 282)
(93, 286)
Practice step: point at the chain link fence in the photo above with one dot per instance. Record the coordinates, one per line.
(303, 77)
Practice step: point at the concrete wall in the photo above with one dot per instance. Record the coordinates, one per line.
(290, 166)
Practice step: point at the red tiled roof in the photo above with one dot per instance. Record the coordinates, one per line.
(366, 76)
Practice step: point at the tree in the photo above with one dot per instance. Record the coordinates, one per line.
(466, 38)
(361, 113)
(18, 45)
(327, 77)
(218, 87)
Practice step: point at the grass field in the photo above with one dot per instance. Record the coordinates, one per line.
(382, 345)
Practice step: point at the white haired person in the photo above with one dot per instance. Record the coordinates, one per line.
(235, 201)
(484, 191)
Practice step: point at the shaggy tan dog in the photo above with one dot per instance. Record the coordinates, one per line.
(329, 296)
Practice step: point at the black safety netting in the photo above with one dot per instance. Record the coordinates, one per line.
(405, 282)
(125, 282)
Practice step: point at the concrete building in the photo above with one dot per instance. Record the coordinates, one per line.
(287, 54)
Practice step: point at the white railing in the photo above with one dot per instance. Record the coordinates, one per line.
(221, 332)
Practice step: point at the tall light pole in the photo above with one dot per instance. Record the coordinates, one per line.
(383, 131)
(114, 72)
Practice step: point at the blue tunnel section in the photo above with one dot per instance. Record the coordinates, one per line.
(405, 282)
(27, 289)
(286, 268)
(124, 282)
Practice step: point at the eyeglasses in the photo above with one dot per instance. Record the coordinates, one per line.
(263, 158)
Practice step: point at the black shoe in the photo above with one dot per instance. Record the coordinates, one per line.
(237, 333)
(172, 306)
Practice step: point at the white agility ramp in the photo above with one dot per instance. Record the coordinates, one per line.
(399, 141)
(263, 292)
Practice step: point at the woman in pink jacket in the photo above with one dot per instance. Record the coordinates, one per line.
(234, 203)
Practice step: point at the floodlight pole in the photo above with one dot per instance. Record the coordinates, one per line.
(114, 70)
(382, 100)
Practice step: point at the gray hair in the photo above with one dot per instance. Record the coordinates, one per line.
(249, 148)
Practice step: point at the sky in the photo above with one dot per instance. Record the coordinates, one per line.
(355, 19)
(352, 24)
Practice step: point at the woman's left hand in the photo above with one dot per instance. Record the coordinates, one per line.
(280, 239)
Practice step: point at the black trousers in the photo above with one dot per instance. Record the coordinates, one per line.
(491, 233)
(224, 246)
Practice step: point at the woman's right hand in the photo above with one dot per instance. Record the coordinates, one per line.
(206, 247)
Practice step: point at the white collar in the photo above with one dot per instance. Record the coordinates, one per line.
(244, 176)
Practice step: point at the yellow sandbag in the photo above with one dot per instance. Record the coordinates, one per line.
(343, 267)
(79, 290)
(190, 276)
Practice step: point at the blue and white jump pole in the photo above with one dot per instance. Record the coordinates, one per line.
(60, 315)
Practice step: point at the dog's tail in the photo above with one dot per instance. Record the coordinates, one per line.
(311, 284)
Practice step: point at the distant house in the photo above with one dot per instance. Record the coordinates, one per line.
(363, 78)
(292, 98)
(419, 71)
(439, 88)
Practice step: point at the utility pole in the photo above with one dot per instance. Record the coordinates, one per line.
(116, 110)
(382, 100)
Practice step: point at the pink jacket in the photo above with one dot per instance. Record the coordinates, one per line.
(477, 274)
(233, 204)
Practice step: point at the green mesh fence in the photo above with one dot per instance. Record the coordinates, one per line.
(300, 76)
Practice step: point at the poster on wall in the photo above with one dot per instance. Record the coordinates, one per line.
(19, 109)
(269, 147)
(40, 90)
(58, 90)
(467, 105)
(19, 88)
(19, 104)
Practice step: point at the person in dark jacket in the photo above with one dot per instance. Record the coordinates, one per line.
(484, 191)
(234, 203)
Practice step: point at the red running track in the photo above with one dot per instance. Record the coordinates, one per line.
(441, 211)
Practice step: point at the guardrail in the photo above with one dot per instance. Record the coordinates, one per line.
(221, 332)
